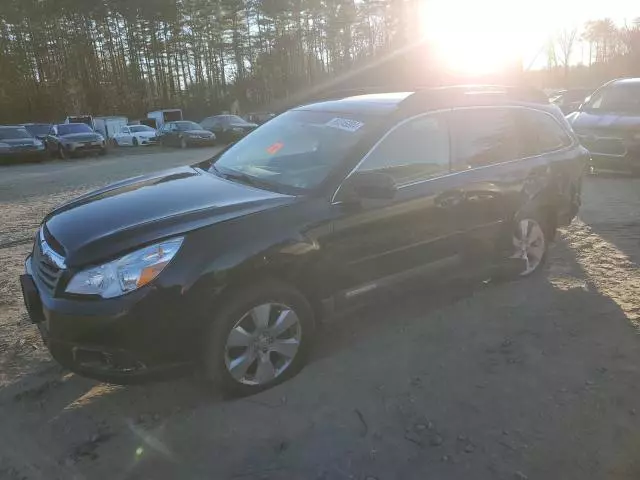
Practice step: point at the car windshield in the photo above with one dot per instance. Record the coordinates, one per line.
(619, 98)
(140, 128)
(296, 150)
(68, 128)
(41, 129)
(184, 126)
(13, 133)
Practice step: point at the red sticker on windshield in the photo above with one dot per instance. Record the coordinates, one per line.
(275, 148)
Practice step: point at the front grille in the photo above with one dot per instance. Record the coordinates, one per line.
(605, 145)
(47, 264)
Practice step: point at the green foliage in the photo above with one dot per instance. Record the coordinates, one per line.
(61, 57)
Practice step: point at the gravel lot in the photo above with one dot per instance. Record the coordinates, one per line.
(535, 379)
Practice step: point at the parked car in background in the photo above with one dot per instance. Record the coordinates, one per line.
(185, 134)
(17, 143)
(259, 118)
(161, 117)
(38, 130)
(228, 128)
(74, 139)
(135, 135)
(570, 100)
(608, 125)
(232, 263)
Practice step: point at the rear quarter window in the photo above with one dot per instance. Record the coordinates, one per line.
(539, 133)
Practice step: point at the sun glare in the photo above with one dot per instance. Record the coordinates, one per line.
(478, 37)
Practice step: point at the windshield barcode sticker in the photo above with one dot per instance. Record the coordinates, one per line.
(345, 124)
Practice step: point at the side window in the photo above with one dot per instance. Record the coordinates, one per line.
(125, 130)
(413, 151)
(539, 133)
(483, 136)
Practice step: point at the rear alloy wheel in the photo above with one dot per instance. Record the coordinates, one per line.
(530, 245)
(258, 339)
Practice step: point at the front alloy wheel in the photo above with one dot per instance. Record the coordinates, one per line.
(263, 344)
(529, 245)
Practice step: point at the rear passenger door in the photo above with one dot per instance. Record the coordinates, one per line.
(495, 166)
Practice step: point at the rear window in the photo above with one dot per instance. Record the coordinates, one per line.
(38, 129)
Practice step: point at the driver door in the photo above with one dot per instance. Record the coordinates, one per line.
(377, 243)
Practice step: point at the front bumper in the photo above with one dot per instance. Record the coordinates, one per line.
(200, 142)
(85, 147)
(139, 337)
(23, 156)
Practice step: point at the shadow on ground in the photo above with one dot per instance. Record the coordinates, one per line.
(533, 379)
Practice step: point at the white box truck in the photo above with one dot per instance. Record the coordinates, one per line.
(160, 117)
(109, 126)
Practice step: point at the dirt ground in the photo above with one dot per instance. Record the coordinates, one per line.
(534, 379)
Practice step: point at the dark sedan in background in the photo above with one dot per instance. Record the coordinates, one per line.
(608, 125)
(185, 134)
(228, 128)
(16, 144)
(74, 139)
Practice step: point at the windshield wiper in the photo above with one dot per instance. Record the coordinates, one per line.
(241, 177)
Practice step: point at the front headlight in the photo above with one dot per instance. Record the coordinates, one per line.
(127, 273)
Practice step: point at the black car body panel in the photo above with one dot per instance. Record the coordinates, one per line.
(153, 207)
(336, 249)
(612, 133)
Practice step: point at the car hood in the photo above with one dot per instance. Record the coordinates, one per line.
(206, 133)
(80, 137)
(131, 213)
(586, 122)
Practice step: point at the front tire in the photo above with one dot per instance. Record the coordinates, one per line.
(257, 339)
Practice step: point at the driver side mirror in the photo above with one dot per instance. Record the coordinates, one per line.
(368, 185)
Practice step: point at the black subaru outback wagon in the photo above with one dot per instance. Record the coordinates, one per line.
(232, 263)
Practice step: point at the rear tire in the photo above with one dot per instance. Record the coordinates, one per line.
(241, 354)
(531, 235)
